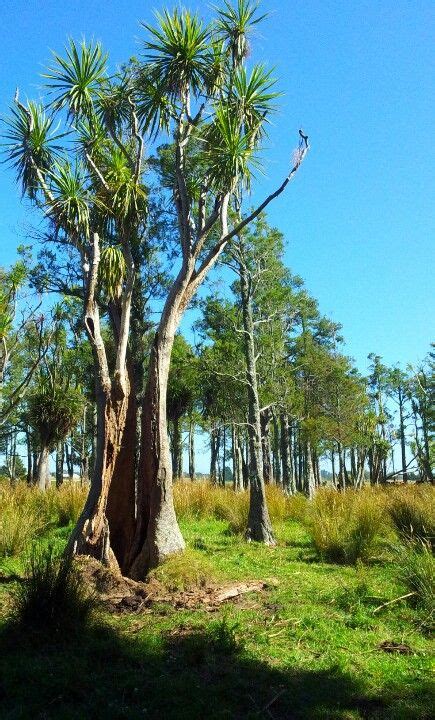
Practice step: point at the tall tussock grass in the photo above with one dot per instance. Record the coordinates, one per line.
(412, 513)
(203, 500)
(52, 597)
(345, 527)
(26, 512)
(416, 571)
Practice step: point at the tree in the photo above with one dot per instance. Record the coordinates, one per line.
(197, 72)
(53, 407)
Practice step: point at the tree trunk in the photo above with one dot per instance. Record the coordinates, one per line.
(265, 418)
(176, 449)
(191, 450)
(276, 450)
(59, 464)
(259, 525)
(310, 480)
(237, 460)
(157, 533)
(29, 456)
(214, 454)
(42, 472)
(288, 480)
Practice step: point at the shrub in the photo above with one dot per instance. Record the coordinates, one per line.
(412, 512)
(52, 597)
(345, 527)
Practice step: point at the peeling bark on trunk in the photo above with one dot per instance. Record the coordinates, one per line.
(91, 535)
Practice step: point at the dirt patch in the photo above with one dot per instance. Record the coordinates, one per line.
(118, 594)
(390, 646)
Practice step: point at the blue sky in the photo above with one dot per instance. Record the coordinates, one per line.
(358, 75)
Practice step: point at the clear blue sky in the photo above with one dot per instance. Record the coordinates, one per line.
(358, 75)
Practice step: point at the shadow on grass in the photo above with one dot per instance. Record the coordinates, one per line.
(185, 675)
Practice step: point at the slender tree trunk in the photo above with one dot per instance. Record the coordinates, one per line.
(276, 449)
(43, 468)
(176, 448)
(265, 418)
(259, 525)
(288, 479)
(333, 467)
(35, 463)
(29, 456)
(59, 464)
(310, 481)
(214, 454)
(237, 459)
(224, 452)
(245, 463)
(191, 442)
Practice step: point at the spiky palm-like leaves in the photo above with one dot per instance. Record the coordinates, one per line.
(76, 81)
(31, 144)
(111, 271)
(229, 150)
(70, 205)
(234, 25)
(53, 408)
(177, 50)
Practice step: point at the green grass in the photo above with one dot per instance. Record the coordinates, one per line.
(306, 647)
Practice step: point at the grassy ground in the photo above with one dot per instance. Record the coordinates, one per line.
(305, 647)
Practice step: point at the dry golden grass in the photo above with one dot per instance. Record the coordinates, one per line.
(25, 512)
(202, 500)
(345, 527)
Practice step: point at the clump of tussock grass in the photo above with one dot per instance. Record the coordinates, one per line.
(346, 527)
(185, 571)
(416, 571)
(52, 598)
(412, 513)
(68, 501)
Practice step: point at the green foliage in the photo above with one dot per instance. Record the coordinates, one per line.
(53, 407)
(111, 270)
(31, 144)
(177, 52)
(52, 599)
(76, 80)
(234, 26)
